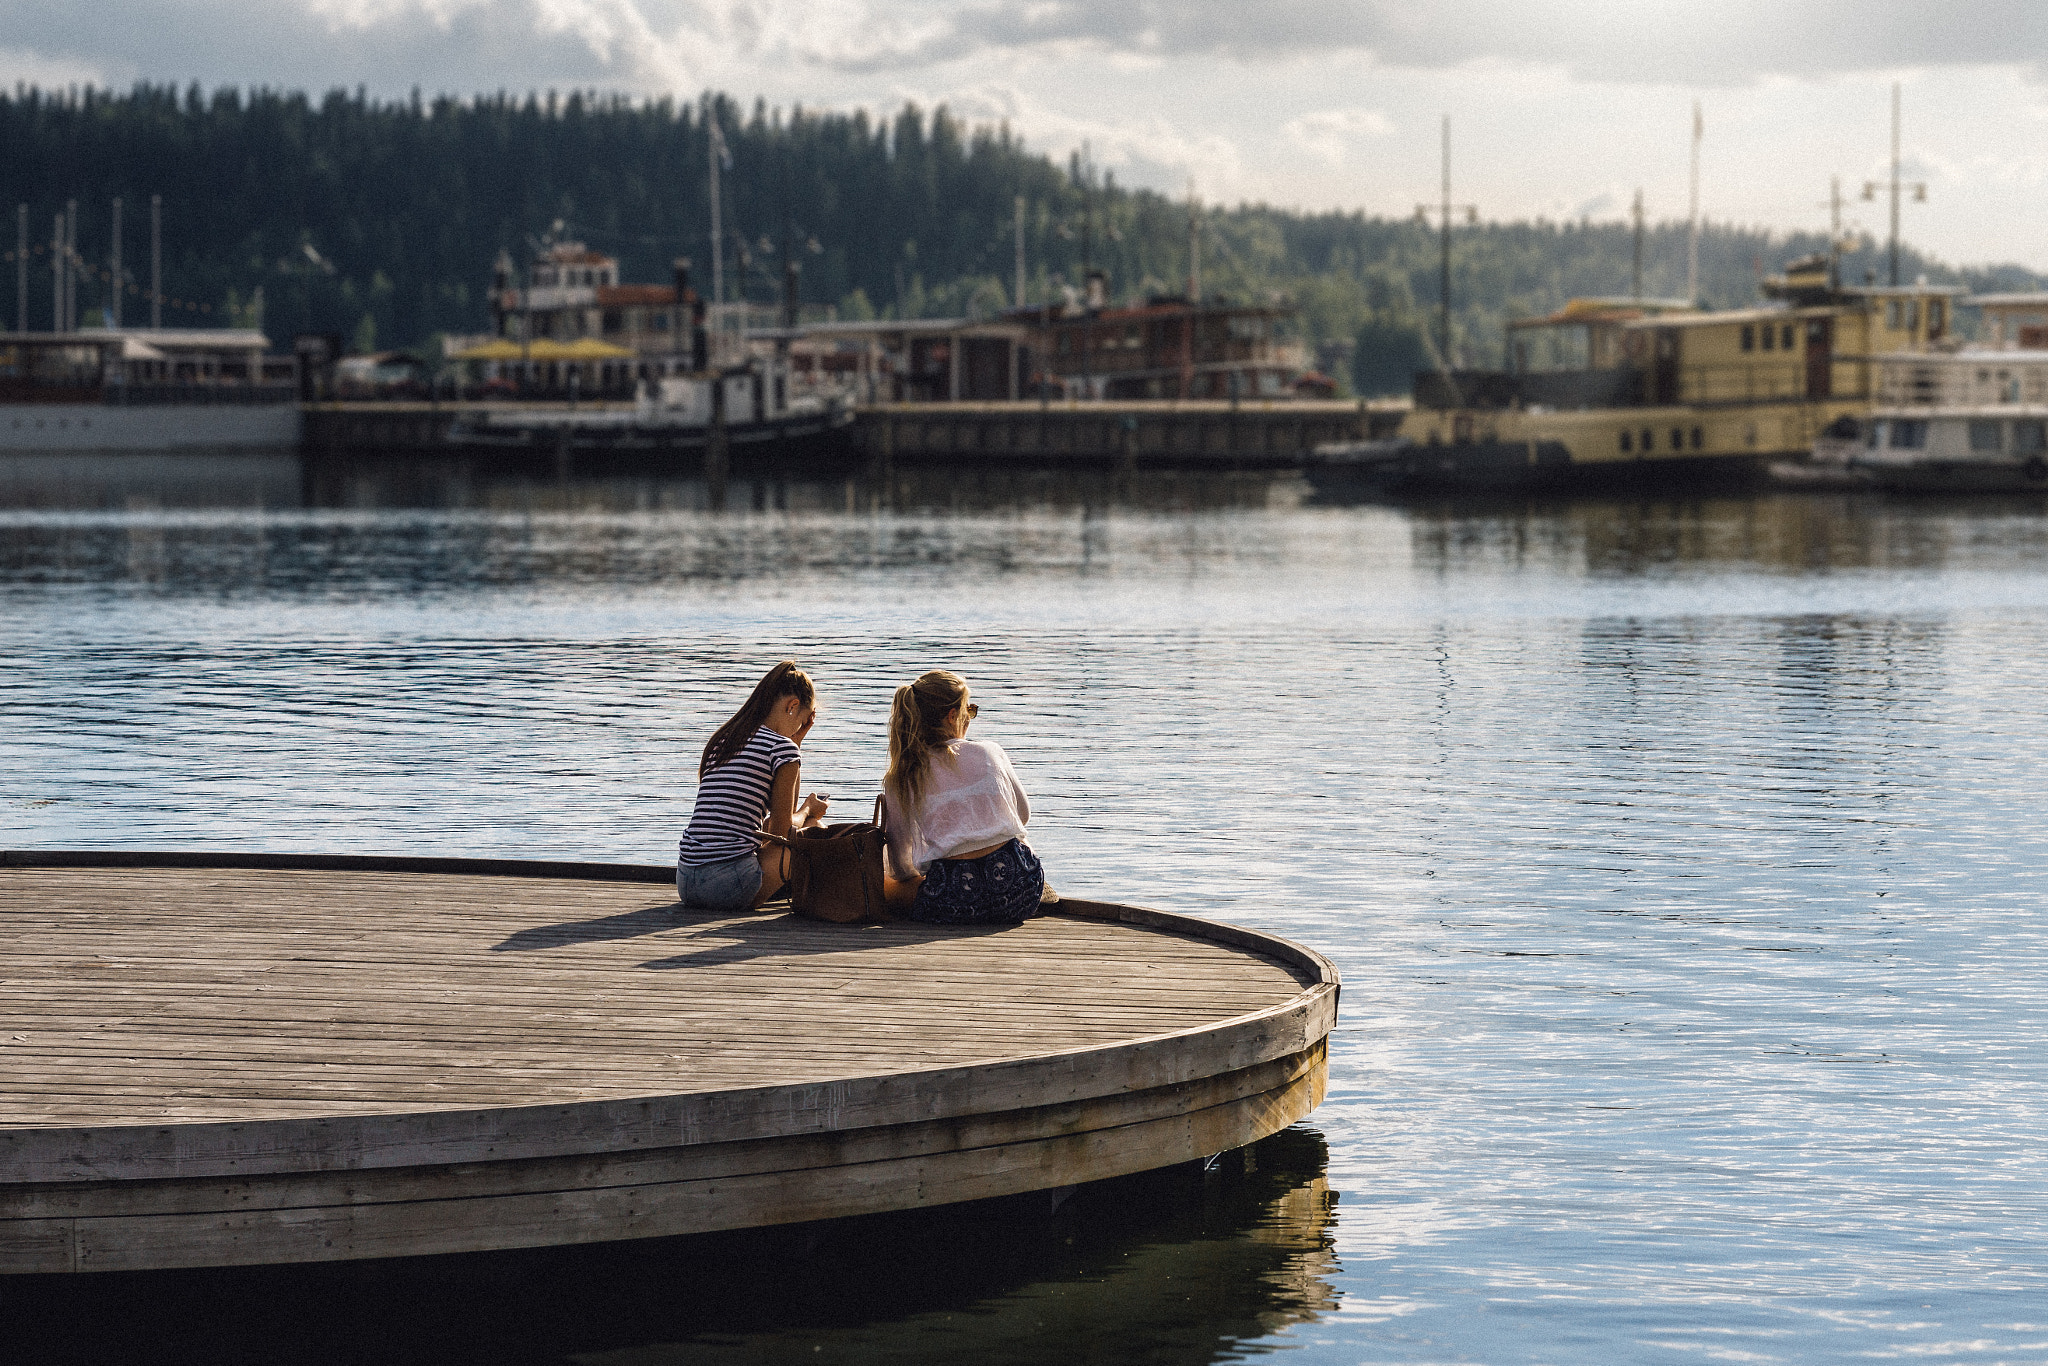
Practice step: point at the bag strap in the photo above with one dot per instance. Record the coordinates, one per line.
(878, 897)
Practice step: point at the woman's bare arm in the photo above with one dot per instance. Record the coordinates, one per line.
(782, 800)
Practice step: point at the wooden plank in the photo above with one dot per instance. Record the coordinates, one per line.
(657, 1209)
(297, 1189)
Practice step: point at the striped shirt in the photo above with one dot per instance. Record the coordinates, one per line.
(732, 801)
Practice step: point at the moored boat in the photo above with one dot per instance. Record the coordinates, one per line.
(751, 405)
(1610, 391)
(1966, 422)
(144, 389)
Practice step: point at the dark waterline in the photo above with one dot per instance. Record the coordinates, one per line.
(1180, 1265)
(1683, 857)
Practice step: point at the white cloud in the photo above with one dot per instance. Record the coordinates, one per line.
(1328, 134)
(1559, 106)
(25, 66)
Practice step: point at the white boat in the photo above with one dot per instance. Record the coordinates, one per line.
(1973, 421)
(672, 414)
(143, 389)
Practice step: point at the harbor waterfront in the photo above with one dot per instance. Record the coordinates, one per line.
(1680, 857)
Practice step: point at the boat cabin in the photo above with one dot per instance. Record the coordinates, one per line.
(154, 364)
(1811, 340)
(2016, 322)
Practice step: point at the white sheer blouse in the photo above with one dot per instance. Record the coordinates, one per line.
(972, 799)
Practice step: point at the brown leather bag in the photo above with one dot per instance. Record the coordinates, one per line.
(835, 871)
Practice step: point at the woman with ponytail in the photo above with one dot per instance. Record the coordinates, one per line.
(747, 783)
(955, 813)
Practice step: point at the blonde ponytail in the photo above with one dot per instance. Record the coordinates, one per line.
(917, 726)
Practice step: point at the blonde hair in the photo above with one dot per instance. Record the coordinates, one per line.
(917, 722)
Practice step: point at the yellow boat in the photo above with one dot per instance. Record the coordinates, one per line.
(1656, 392)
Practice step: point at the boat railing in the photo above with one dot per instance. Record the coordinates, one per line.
(1961, 382)
(211, 395)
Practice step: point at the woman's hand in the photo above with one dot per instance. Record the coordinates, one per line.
(805, 729)
(813, 810)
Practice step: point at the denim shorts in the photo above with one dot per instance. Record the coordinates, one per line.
(726, 886)
(999, 888)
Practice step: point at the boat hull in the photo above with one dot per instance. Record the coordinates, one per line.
(51, 428)
(1400, 467)
(502, 434)
(1958, 476)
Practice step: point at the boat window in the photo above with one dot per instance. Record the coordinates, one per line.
(1749, 339)
(1987, 437)
(1678, 438)
(1649, 440)
(1788, 340)
(2030, 437)
(1770, 337)
(1892, 314)
(1627, 441)
(1876, 435)
(1909, 434)
(1935, 317)
(1699, 438)
(1912, 314)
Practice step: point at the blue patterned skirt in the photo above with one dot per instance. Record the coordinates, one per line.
(1001, 888)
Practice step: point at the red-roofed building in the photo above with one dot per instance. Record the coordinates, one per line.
(1164, 348)
(574, 292)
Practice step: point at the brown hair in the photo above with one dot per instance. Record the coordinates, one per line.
(784, 680)
(916, 728)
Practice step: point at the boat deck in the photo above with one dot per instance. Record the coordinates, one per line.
(309, 1059)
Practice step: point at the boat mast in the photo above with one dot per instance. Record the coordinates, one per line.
(718, 154)
(1444, 284)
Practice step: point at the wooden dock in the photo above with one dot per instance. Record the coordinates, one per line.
(212, 1060)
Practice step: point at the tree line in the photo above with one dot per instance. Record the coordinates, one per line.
(380, 219)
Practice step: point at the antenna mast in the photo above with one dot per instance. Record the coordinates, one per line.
(1018, 298)
(1919, 188)
(717, 147)
(1637, 278)
(112, 317)
(1895, 185)
(1692, 244)
(1445, 210)
(1834, 232)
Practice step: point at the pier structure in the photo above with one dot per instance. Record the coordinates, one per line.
(220, 1060)
(1191, 434)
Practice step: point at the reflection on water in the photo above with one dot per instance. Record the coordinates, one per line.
(1176, 1266)
(1684, 858)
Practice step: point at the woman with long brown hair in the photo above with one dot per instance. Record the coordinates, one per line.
(747, 784)
(955, 813)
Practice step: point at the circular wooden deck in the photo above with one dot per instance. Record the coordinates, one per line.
(230, 1060)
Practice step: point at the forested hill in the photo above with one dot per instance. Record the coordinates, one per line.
(406, 204)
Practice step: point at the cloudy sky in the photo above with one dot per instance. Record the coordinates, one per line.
(1558, 107)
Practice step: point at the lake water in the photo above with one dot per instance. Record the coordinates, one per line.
(1684, 861)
